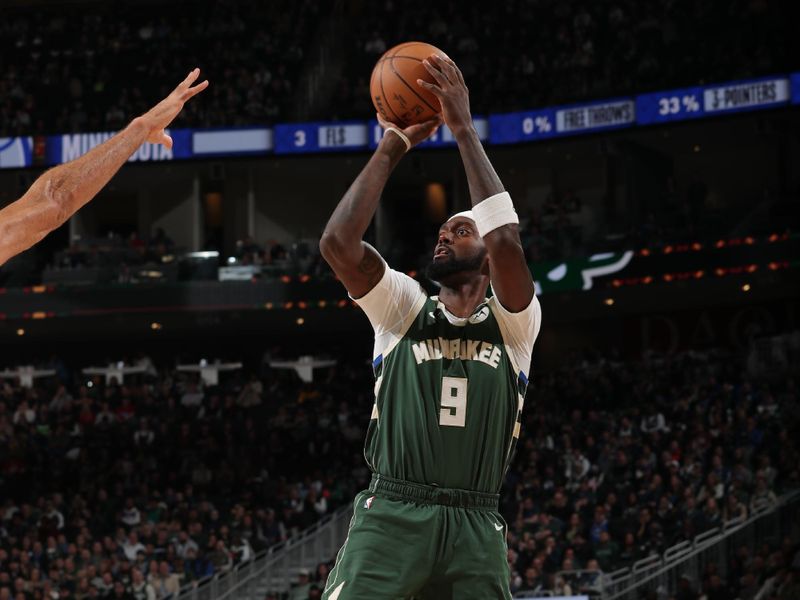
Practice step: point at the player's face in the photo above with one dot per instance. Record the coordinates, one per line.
(459, 251)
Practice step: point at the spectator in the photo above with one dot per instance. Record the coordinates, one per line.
(301, 589)
(762, 496)
(132, 546)
(607, 552)
(140, 588)
(163, 581)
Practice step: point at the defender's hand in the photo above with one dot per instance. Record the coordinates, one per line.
(451, 91)
(418, 133)
(162, 114)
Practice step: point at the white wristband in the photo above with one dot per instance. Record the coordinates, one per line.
(494, 212)
(402, 136)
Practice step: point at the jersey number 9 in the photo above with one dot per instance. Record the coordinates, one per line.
(454, 402)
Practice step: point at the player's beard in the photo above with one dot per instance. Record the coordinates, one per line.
(441, 271)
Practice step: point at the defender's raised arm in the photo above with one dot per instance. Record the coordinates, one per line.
(60, 192)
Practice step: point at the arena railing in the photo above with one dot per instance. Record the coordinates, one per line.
(274, 569)
(767, 523)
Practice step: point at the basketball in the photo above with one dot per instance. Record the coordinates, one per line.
(395, 93)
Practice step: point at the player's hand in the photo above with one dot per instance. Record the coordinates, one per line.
(158, 118)
(451, 91)
(418, 133)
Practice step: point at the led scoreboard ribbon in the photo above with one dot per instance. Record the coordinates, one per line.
(441, 139)
(796, 88)
(303, 138)
(645, 109)
(352, 136)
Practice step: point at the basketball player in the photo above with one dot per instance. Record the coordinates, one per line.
(451, 372)
(60, 192)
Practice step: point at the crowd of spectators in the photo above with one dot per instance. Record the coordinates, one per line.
(159, 482)
(133, 490)
(108, 63)
(301, 257)
(115, 250)
(555, 231)
(642, 456)
(521, 54)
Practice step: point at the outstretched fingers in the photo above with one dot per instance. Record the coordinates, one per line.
(190, 79)
(431, 87)
(446, 66)
(455, 68)
(434, 69)
(185, 89)
(191, 92)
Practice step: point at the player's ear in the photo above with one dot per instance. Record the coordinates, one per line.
(486, 267)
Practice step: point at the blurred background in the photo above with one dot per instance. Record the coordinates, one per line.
(186, 387)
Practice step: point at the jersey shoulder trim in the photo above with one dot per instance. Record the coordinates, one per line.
(390, 340)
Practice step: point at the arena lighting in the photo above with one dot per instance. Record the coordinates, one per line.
(231, 260)
(746, 287)
(341, 303)
(696, 148)
(609, 301)
(156, 326)
(302, 305)
(288, 305)
(300, 320)
(322, 304)
(269, 305)
(775, 237)
(20, 331)
(695, 246)
(774, 266)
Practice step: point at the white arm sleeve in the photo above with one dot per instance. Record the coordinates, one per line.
(391, 306)
(519, 330)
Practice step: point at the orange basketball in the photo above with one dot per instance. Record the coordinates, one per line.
(393, 85)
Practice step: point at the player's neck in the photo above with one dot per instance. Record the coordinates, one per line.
(461, 298)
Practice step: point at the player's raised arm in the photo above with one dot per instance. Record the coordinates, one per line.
(494, 213)
(60, 192)
(355, 262)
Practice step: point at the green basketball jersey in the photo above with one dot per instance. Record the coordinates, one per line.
(449, 391)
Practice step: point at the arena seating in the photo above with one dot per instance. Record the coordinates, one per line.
(106, 64)
(534, 53)
(254, 52)
(163, 481)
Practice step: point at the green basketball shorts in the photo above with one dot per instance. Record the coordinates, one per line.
(409, 541)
